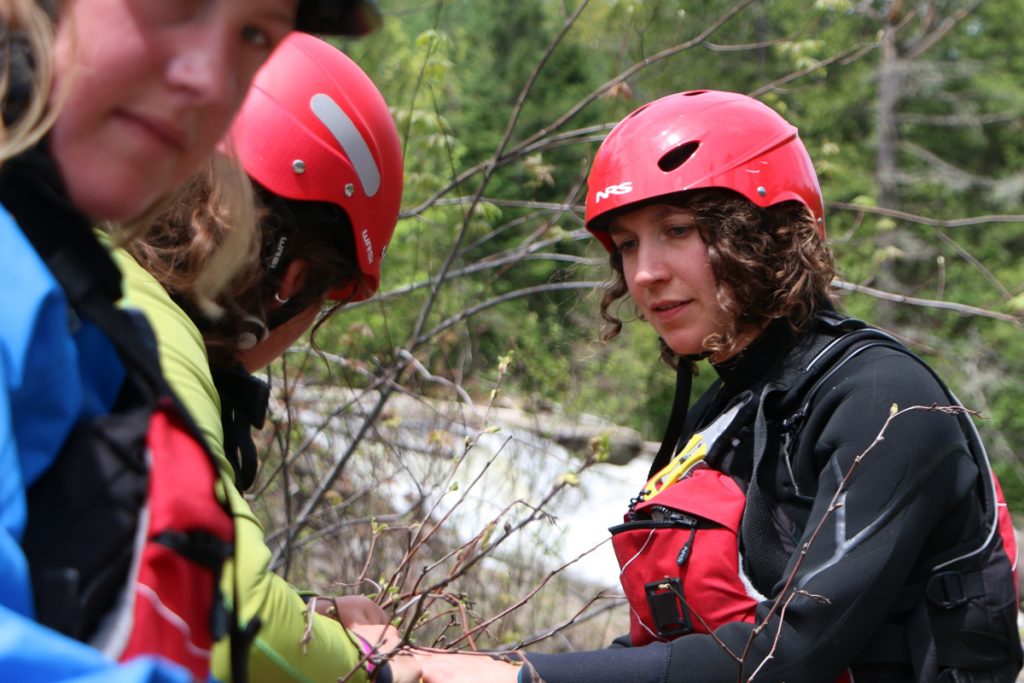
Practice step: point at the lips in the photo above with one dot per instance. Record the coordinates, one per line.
(664, 309)
(161, 129)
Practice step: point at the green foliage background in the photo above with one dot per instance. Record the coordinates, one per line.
(503, 216)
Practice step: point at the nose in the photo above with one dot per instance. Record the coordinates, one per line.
(649, 265)
(201, 68)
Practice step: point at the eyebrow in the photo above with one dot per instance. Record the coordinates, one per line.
(660, 212)
(275, 12)
(667, 210)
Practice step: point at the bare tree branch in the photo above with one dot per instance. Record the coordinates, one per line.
(927, 220)
(963, 309)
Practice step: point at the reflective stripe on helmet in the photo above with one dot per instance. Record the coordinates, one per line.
(350, 139)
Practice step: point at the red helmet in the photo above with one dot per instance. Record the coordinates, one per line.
(341, 17)
(314, 127)
(695, 140)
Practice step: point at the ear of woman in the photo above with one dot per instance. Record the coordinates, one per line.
(277, 341)
(292, 282)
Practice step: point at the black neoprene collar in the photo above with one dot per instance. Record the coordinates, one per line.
(749, 365)
(33, 192)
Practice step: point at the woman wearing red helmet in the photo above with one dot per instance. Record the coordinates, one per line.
(890, 567)
(321, 148)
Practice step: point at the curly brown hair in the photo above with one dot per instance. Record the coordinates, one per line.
(178, 244)
(769, 264)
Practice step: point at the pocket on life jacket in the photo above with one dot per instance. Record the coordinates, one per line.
(175, 608)
(679, 559)
(133, 567)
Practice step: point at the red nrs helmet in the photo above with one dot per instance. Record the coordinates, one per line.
(695, 140)
(314, 127)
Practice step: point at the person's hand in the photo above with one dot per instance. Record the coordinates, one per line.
(351, 610)
(383, 640)
(465, 668)
(405, 668)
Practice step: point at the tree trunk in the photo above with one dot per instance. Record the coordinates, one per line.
(889, 86)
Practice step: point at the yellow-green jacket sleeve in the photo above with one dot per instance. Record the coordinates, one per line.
(277, 654)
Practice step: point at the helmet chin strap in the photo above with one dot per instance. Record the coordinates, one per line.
(277, 256)
(677, 419)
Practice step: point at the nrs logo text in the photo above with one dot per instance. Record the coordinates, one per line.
(621, 188)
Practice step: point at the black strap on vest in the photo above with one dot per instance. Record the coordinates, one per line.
(677, 418)
(765, 556)
(243, 406)
(766, 559)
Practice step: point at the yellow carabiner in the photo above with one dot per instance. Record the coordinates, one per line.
(677, 468)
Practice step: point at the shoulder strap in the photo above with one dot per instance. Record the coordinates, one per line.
(124, 329)
(788, 391)
(818, 354)
(677, 418)
(800, 387)
(243, 401)
(861, 338)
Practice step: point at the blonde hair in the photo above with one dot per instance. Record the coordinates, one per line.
(26, 24)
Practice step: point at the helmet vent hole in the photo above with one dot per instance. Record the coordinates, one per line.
(677, 157)
(638, 110)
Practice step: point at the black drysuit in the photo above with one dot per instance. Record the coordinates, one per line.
(913, 495)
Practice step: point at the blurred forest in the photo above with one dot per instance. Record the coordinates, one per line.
(912, 111)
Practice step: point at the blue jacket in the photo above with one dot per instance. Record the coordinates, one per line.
(54, 371)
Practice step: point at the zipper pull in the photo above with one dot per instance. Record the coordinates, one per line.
(676, 516)
(684, 552)
(636, 500)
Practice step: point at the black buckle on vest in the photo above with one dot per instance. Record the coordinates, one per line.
(668, 608)
(952, 589)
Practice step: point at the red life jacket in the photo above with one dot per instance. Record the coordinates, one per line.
(678, 547)
(680, 559)
(125, 536)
